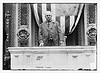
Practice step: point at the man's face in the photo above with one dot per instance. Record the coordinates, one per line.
(48, 17)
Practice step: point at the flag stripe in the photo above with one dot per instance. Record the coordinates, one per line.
(75, 18)
(72, 20)
(48, 5)
(67, 25)
(43, 12)
(36, 13)
(69, 22)
(39, 8)
(78, 17)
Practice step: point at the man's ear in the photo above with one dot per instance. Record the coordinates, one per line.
(45, 16)
(51, 15)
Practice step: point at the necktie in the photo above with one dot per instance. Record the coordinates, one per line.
(48, 25)
(48, 31)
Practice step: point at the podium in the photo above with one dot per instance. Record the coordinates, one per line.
(58, 57)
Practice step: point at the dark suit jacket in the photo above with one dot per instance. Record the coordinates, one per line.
(53, 30)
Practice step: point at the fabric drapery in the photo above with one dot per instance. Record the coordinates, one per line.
(68, 15)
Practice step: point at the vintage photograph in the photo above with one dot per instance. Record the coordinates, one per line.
(50, 36)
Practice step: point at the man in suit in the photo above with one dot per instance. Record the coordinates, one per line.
(50, 32)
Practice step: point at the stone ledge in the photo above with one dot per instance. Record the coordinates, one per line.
(53, 50)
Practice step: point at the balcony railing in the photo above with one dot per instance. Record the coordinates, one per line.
(70, 57)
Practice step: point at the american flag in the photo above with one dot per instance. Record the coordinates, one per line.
(68, 15)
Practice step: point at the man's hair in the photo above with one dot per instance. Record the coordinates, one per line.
(48, 13)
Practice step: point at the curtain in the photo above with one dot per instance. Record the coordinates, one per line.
(68, 15)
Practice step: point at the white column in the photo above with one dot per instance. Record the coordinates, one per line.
(30, 36)
(62, 24)
(85, 24)
(16, 25)
(53, 11)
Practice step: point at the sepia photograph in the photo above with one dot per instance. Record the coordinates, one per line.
(50, 36)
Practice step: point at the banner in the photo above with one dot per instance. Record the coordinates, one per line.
(67, 15)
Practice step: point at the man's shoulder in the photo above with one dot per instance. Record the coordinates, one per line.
(42, 23)
(55, 22)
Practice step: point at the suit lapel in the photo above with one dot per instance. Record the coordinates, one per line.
(46, 25)
(51, 25)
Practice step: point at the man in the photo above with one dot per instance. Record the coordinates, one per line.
(49, 32)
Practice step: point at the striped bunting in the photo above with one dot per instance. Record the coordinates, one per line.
(43, 12)
(39, 9)
(78, 17)
(67, 23)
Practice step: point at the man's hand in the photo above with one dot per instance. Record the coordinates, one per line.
(62, 43)
(41, 44)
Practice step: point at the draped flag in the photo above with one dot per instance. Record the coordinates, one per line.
(67, 15)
